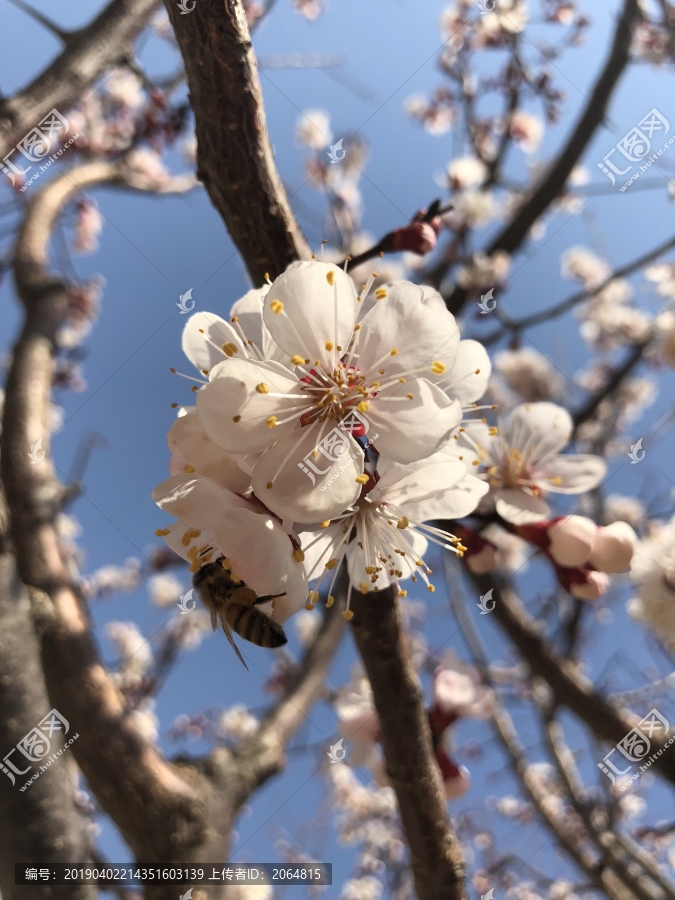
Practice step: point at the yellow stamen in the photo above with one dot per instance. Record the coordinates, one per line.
(331, 563)
(162, 531)
(380, 294)
(270, 485)
(230, 349)
(236, 418)
(362, 479)
(330, 277)
(437, 367)
(329, 344)
(226, 563)
(403, 522)
(297, 360)
(324, 524)
(364, 587)
(189, 469)
(272, 421)
(348, 615)
(363, 406)
(298, 555)
(431, 588)
(262, 388)
(394, 352)
(189, 534)
(402, 593)
(330, 601)
(277, 306)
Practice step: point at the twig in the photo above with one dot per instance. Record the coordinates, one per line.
(554, 179)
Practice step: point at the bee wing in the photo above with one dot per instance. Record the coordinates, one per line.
(214, 618)
(228, 635)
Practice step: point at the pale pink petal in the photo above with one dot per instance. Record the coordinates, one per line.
(520, 507)
(571, 540)
(613, 547)
(572, 474)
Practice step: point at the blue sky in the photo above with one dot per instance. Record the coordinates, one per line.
(153, 249)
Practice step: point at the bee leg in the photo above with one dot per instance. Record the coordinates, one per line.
(235, 648)
(267, 597)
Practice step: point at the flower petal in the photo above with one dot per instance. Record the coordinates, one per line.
(319, 547)
(307, 488)
(418, 481)
(469, 378)
(187, 439)
(311, 296)
(539, 430)
(570, 474)
(454, 503)
(234, 391)
(413, 321)
(411, 429)
(249, 311)
(200, 501)
(197, 348)
(520, 507)
(261, 554)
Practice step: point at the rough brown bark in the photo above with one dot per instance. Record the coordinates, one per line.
(435, 853)
(105, 42)
(234, 154)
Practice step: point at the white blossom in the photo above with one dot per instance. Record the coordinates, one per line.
(466, 172)
(524, 461)
(124, 87)
(164, 589)
(134, 650)
(484, 271)
(237, 723)
(619, 508)
(312, 129)
(525, 129)
(528, 373)
(582, 265)
(401, 367)
(653, 571)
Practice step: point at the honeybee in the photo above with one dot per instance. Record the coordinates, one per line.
(235, 605)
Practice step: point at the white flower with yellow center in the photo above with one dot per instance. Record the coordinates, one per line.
(386, 524)
(401, 367)
(524, 462)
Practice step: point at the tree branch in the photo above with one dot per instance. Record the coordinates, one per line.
(436, 859)
(105, 42)
(234, 155)
(42, 822)
(570, 687)
(553, 180)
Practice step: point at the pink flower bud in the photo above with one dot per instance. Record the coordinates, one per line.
(571, 540)
(594, 587)
(418, 237)
(613, 547)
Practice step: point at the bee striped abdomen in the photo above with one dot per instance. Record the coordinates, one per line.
(254, 626)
